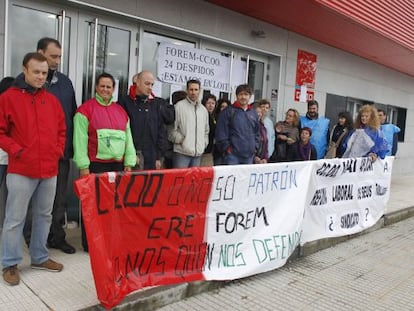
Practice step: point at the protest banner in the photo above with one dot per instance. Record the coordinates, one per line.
(345, 196)
(162, 227)
(252, 225)
(144, 229)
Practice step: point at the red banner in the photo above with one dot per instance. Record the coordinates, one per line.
(144, 228)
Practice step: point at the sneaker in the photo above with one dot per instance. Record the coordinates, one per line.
(48, 265)
(11, 275)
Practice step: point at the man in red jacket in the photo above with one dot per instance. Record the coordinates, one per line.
(32, 132)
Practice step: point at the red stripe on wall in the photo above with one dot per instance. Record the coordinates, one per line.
(393, 19)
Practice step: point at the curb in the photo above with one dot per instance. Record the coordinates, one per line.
(157, 297)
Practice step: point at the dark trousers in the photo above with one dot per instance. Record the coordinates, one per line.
(57, 233)
(149, 159)
(97, 167)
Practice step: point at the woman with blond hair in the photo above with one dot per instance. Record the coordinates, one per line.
(287, 133)
(366, 140)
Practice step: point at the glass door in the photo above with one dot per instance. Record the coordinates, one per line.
(246, 67)
(108, 47)
(42, 21)
(91, 44)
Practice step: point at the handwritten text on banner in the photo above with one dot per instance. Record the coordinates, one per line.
(227, 222)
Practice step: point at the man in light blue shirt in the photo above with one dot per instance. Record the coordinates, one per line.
(319, 126)
(390, 132)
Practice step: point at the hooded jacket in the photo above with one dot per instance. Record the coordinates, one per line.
(238, 131)
(32, 130)
(60, 85)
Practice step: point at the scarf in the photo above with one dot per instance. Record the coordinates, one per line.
(305, 151)
(133, 93)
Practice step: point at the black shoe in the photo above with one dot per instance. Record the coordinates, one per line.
(64, 247)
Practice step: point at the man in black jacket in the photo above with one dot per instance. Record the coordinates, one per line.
(148, 116)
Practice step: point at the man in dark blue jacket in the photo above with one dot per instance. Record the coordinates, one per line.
(59, 85)
(238, 129)
(149, 116)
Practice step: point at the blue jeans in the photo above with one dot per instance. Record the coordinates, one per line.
(232, 159)
(181, 160)
(20, 190)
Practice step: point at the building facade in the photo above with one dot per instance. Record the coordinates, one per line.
(124, 37)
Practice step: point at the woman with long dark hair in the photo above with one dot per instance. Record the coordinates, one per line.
(339, 132)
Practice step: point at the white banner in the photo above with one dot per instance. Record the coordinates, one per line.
(258, 214)
(254, 218)
(345, 196)
(178, 64)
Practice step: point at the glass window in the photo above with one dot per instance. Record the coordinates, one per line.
(397, 116)
(353, 107)
(392, 115)
(22, 41)
(401, 119)
(257, 68)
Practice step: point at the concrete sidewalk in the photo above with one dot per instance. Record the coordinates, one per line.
(371, 272)
(74, 289)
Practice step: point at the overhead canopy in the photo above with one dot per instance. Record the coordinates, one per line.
(372, 29)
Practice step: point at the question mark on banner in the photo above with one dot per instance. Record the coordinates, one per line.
(330, 225)
(367, 212)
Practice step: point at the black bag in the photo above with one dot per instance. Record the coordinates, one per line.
(280, 152)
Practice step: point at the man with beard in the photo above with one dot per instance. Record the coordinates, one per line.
(319, 126)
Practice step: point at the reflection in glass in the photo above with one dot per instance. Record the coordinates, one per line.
(112, 56)
(255, 78)
(22, 41)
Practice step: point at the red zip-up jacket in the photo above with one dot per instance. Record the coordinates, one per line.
(32, 131)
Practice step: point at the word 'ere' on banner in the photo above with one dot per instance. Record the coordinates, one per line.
(177, 64)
